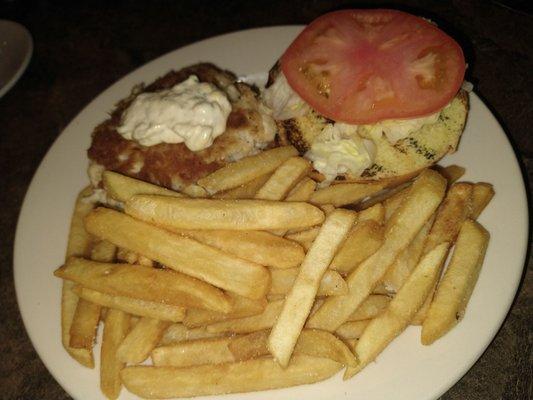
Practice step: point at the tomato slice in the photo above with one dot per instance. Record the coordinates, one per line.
(364, 66)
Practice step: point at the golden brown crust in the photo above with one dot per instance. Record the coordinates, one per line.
(174, 165)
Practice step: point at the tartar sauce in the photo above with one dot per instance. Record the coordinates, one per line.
(339, 150)
(397, 129)
(284, 102)
(191, 112)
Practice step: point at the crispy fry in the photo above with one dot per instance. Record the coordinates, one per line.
(245, 376)
(363, 241)
(142, 308)
(116, 326)
(455, 288)
(122, 187)
(311, 342)
(284, 178)
(392, 203)
(454, 210)
(253, 323)
(247, 169)
(452, 173)
(177, 333)
(194, 352)
(245, 191)
(300, 299)
(402, 308)
(345, 193)
(79, 244)
(223, 214)
(481, 196)
(151, 284)
(180, 253)
(352, 329)
(87, 315)
(375, 213)
(241, 307)
(193, 190)
(302, 191)
(407, 260)
(261, 247)
(382, 196)
(141, 340)
(304, 238)
(421, 202)
(370, 308)
(84, 325)
(331, 284)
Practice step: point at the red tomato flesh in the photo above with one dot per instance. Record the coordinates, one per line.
(364, 66)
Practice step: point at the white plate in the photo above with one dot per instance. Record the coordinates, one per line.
(406, 369)
(16, 47)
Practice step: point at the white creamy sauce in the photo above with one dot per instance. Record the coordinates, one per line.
(339, 150)
(284, 102)
(191, 112)
(398, 129)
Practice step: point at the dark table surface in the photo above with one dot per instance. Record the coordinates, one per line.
(81, 49)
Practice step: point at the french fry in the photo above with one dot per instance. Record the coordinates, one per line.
(363, 240)
(284, 178)
(177, 333)
(345, 193)
(311, 342)
(304, 238)
(331, 284)
(382, 196)
(302, 191)
(423, 198)
(223, 214)
(243, 171)
(79, 244)
(260, 247)
(151, 284)
(141, 340)
(116, 326)
(180, 253)
(402, 308)
(300, 299)
(258, 322)
(455, 288)
(375, 213)
(370, 308)
(241, 307)
(392, 203)
(194, 191)
(481, 196)
(122, 187)
(352, 329)
(454, 210)
(142, 308)
(87, 315)
(245, 191)
(407, 260)
(194, 352)
(245, 376)
(84, 325)
(452, 173)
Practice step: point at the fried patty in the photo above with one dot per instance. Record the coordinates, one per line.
(248, 130)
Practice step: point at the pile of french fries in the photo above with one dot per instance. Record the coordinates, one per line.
(254, 278)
